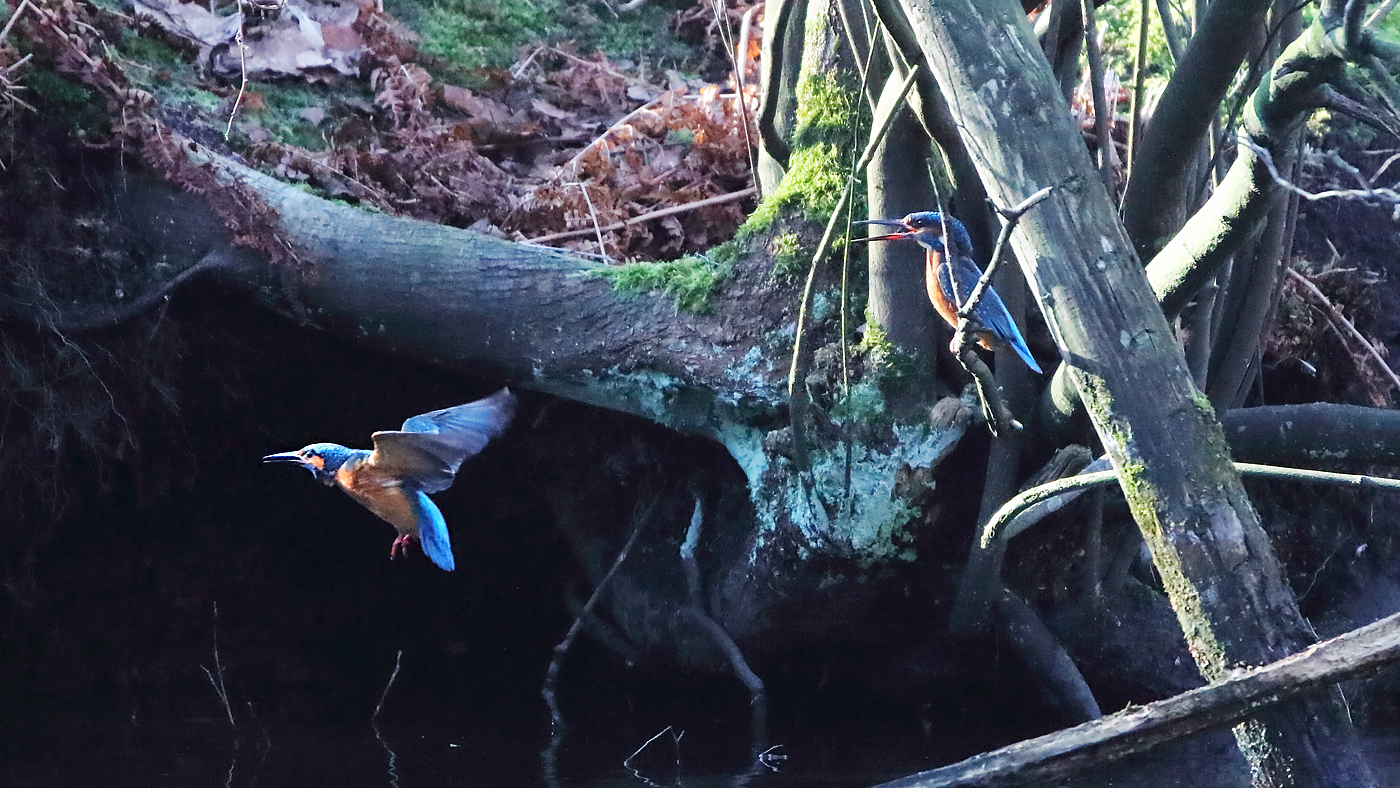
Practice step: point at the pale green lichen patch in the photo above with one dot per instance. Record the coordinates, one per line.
(755, 373)
(866, 519)
(691, 281)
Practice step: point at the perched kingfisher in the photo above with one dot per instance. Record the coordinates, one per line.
(393, 480)
(943, 269)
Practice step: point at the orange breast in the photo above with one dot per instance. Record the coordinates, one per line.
(940, 300)
(379, 492)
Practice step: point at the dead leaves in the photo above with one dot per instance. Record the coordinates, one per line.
(562, 141)
(543, 150)
(680, 148)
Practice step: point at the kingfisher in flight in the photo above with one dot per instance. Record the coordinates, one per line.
(394, 478)
(943, 270)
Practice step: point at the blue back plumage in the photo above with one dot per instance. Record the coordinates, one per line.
(990, 311)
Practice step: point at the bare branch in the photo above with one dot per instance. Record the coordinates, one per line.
(1010, 217)
(1382, 194)
(1000, 421)
(1336, 316)
(1051, 758)
(1103, 113)
(1004, 524)
(718, 199)
(1377, 16)
(1339, 102)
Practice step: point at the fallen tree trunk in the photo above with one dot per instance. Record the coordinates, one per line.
(1047, 759)
(544, 320)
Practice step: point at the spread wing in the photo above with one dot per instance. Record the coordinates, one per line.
(430, 448)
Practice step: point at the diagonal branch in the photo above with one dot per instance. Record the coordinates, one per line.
(1051, 758)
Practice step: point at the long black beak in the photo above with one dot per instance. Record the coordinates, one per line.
(286, 456)
(883, 223)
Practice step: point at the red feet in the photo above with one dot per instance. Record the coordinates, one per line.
(401, 544)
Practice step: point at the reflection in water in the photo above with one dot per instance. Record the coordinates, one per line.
(675, 761)
(374, 722)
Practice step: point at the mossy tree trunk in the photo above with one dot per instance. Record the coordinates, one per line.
(1219, 569)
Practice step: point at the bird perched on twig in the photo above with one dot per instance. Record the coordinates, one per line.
(393, 479)
(950, 276)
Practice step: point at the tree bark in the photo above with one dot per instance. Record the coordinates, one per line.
(1054, 757)
(1221, 574)
(1160, 196)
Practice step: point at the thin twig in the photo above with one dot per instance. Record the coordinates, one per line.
(742, 52)
(646, 217)
(593, 212)
(551, 678)
(1337, 316)
(996, 527)
(1010, 217)
(1377, 16)
(374, 724)
(624, 120)
(1139, 79)
(15, 17)
(243, 68)
(1267, 158)
(694, 612)
(675, 741)
(219, 688)
(797, 395)
(882, 127)
(1103, 113)
(15, 65)
(994, 408)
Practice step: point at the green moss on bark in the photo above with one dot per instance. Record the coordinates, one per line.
(690, 281)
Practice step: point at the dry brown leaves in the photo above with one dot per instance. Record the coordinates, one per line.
(680, 148)
(1304, 331)
(66, 36)
(562, 141)
(516, 158)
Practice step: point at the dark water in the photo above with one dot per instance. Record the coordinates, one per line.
(321, 739)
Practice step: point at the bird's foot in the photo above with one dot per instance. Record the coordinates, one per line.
(400, 544)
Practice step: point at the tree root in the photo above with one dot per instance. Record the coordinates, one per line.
(695, 614)
(98, 317)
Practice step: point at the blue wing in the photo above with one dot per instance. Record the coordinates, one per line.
(432, 530)
(431, 447)
(990, 309)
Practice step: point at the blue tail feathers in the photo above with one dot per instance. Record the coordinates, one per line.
(432, 531)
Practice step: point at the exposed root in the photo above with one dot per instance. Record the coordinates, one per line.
(695, 613)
